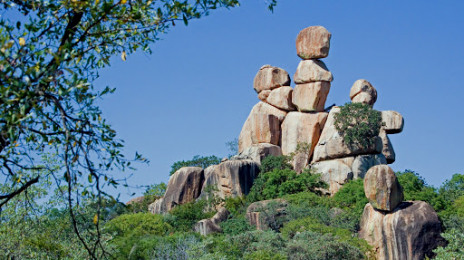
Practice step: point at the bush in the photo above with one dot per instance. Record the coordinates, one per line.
(358, 123)
(415, 187)
(131, 231)
(236, 225)
(312, 245)
(278, 183)
(454, 249)
(272, 162)
(183, 217)
(196, 161)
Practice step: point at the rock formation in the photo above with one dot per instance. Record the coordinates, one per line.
(295, 118)
(211, 225)
(397, 229)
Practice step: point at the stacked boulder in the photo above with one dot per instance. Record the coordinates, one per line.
(294, 122)
(397, 229)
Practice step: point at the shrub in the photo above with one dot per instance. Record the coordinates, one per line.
(272, 162)
(312, 245)
(183, 217)
(454, 249)
(278, 183)
(358, 123)
(236, 225)
(415, 187)
(197, 161)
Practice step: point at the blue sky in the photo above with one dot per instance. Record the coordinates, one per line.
(195, 91)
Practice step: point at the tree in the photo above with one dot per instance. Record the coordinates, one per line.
(50, 55)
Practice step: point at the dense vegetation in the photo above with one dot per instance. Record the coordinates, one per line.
(314, 226)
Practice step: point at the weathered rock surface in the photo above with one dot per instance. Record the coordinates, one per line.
(184, 186)
(269, 77)
(259, 214)
(331, 145)
(311, 96)
(232, 178)
(304, 129)
(257, 152)
(410, 232)
(382, 188)
(362, 91)
(311, 71)
(362, 163)
(393, 121)
(245, 139)
(387, 148)
(263, 95)
(313, 43)
(211, 225)
(333, 172)
(265, 128)
(281, 98)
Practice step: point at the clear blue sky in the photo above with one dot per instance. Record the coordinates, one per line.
(195, 91)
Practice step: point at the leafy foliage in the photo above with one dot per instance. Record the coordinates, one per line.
(454, 249)
(277, 183)
(196, 161)
(272, 162)
(415, 187)
(184, 216)
(358, 124)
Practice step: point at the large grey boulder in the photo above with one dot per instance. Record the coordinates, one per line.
(382, 188)
(232, 178)
(269, 77)
(410, 232)
(184, 186)
(333, 172)
(211, 225)
(301, 129)
(313, 43)
(253, 131)
(257, 152)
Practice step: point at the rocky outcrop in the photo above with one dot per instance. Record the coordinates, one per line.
(211, 225)
(333, 172)
(184, 186)
(264, 214)
(253, 131)
(362, 91)
(304, 129)
(313, 43)
(312, 71)
(410, 232)
(231, 178)
(257, 152)
(310, 97)
(269, 77)
(281, 98)
(382, 188)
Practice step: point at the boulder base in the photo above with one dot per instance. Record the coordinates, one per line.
(411, 231)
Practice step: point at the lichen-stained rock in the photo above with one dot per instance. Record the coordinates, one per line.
(313, 43)
(281, 98)
(245, 139)
(301, 128)
(263, 95)
(231, 178)
(264, 214)
(382, 188)
(333, 172)
(269, 77)
(257, 152)
(362, 91)
(184, 186)
(362, 163)
(211, 225)
(265, 128)
(331, 145)
(387, 147)
(311, 71)
(410, 232)
(393, 122)
(310, 97)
